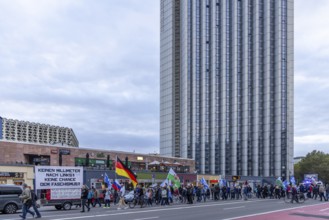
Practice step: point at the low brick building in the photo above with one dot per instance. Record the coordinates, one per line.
(38, 154)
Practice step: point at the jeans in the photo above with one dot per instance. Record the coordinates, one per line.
(322, 196)
(26, 210)
(294, 197)
(204, 197)
(34, 205)
(107, 203)
(97, 202)
(164, 201)
(83, 204)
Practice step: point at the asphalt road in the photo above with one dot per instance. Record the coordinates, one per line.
(230, 209)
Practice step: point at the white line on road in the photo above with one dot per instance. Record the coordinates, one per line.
(234, 207)
(322, 210)
(146, 218)
(264, 213)
(158, 210)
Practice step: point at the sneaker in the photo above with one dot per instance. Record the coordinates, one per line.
(119, 208)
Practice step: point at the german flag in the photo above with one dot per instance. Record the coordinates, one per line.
(123, 170)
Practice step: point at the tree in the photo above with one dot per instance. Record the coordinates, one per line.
(314, 162)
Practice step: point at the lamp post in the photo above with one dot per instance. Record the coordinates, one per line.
(87, 160)
(108, 161)
(60, 159)
(127, 162)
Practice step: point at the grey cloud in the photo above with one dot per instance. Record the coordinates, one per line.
(311, 76)
(94, 66)
(86, 65)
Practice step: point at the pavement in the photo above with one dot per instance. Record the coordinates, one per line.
(255, 209)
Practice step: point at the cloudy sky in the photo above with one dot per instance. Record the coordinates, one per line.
(94, 66)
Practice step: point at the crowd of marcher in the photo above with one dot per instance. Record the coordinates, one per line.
(189, 194)
(92, 197)
(167, 195)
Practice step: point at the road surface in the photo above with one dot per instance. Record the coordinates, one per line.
(255, 209)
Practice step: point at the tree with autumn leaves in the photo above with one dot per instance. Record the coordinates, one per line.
(314, 162)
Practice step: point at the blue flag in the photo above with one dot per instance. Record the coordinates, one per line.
(107, 181)
(293, 181)
(204, 183)
(285, 184)
(222, 182)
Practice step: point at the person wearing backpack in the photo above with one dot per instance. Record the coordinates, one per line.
(27, 201)
(34, 203)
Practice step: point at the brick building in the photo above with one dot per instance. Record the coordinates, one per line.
(38, 154)
(148, 167)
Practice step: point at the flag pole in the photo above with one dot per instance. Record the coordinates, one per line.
(115, 171)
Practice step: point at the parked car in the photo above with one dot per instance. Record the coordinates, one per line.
(9, 198)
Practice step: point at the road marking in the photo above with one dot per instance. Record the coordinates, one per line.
(322, 210)
(234, 207)
(48, 216)
(115, 212)
(264, 213)
(146, 218)
(157, 210)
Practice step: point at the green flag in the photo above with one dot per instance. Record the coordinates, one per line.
(174, 178)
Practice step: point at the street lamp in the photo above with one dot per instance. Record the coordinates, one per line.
(87, 160)
(60, 159)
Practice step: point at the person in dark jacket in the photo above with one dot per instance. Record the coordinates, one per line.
(84, 197)
(294, 193)
(189, 194)
(34, 203)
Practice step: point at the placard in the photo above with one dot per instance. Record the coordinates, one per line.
(57, 177)
(65, 194)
